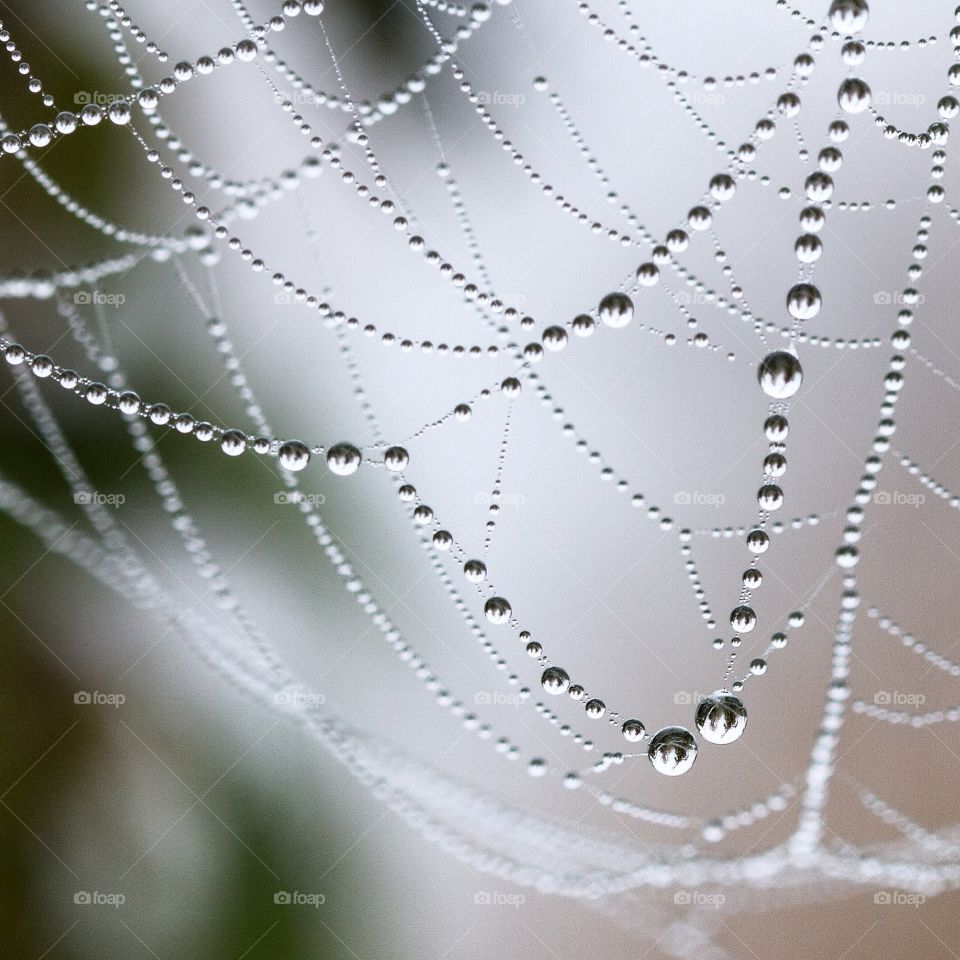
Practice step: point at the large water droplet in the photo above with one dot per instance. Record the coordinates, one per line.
(780, 375)
(555, 680)
(672, 751)
(853, 95)
(293, 455)
(343, 459)
(616, 310)
(721, 717)
(497, 610)
(849, 16)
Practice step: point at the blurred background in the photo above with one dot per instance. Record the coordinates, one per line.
(129, 771)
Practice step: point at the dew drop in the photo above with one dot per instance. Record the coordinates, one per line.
(853, 95)
(780, 375)
(343, 459)
(849, 16)
(672, 751)
(396, 459)
(743, 619)
(497, 610)
(555, 680)
(475, 570)
(616, 310)
(233, 442)
(293, 455)
(633, 730)
(803, 301)
(595, 709)
(721, 717)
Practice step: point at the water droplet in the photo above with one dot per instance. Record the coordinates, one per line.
(343, 459)
(775, 428)
(396, 459)
(743, 619)
(233, 442)
(721, 717)
(770, 497)
(758, 541)
(803, 301)
(616, 310)
(475, 570)
(497, 610)
(853, 95)
(555, 680)
(672, 751)
(293, 455)
(849, 16)
(595, 709)
(780, 375)
(633, 730)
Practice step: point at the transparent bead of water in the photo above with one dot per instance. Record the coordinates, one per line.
(555, 680)
(632, 730)
(672, 751)
(770, 497)
(497, 610)
(849, 16)
(475, 570)
(775, 428)
(233, 442)
(343, 459)
(803, 301)
(293, 455)
(743, 619)
(595, 709)
(780, 375)
(40, 135)
(583, 325)
(721, 717)
(853, 96)
(396, 459)
(616, 310)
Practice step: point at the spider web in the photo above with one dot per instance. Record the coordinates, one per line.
(438, 357)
